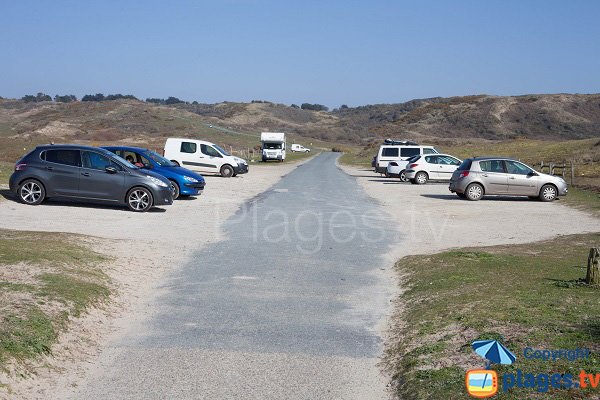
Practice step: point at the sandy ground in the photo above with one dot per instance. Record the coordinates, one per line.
(145, 246)
(429, 218)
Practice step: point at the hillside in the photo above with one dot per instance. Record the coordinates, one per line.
(539, 117)
(560, 116)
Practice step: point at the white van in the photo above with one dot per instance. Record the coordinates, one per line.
(204, 157)
(399, 153)
(299, 148)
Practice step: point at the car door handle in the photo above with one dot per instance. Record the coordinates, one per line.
(85, 173)
(511, 177)
(49, 168)
(485, 175)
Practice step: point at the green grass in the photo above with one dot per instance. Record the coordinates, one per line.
(53, 280)
(6, 169)
(584, 199)
(526, 295)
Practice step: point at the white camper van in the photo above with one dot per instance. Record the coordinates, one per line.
(299, 148)
(273, 146)
(204, 157)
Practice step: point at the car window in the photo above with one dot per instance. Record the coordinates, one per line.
(447, 160)
(514, 167)
(65, 157)
(389, 152)
(188, 147)
(271, 146)
(428, 150)
(492, 166)
(409, 151)
(93, 160)
(431, 159)
(465, 165)
(209, 151)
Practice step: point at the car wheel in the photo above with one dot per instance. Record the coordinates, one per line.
(139, 199)
(226, 171)
(548, 193)
(413, 182)
(403, 176)
(474, 192)
(31, 192)
(176, 163)
(461, 195)
(175, 190)
(421, 178)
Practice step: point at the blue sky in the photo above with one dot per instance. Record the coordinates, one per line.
(328, 52)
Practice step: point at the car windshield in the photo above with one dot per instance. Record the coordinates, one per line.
(160, 160)
(221, 150)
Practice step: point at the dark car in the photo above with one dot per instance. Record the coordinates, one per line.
(184, 182)
(90, 173)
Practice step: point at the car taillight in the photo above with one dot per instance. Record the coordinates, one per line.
(463, 174)
(412, 165)
(20, 167)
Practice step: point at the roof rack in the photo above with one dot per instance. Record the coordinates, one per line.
(395, 142)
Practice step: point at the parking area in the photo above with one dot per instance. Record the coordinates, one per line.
(429, 218)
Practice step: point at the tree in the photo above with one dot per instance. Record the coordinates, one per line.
(195, 103)
(294, 106)
(173, 100)
(314, 107)
(68, 98)
(29, 98)
(343, 107)
(93, 97)
(42, 97)
(155, 100)
(593, 267)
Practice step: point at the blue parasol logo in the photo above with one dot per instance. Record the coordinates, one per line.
(494, 352)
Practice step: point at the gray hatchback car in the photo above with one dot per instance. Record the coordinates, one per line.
(477, 177)
(87, 173)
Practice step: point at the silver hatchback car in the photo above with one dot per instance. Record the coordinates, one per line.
(477, 177)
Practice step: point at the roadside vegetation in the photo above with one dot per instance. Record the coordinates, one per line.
(6, 169)
(529, 295)
(45, 280)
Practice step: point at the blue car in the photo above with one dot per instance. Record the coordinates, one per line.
(184, 181)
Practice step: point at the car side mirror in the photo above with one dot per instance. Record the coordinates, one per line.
(533, 173)
(111, 170)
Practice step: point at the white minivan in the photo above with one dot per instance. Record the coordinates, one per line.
(400, 154)
(203, 156)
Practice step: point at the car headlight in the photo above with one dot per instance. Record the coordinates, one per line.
(157, 181)
(190, 179)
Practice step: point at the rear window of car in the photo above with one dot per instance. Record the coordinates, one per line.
(65, 157)
(389, 152)
(409, 151)
(465, 165)
(188, 147)
(492, 166)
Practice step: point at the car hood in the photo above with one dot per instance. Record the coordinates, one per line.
(174, 172)
(145, 172)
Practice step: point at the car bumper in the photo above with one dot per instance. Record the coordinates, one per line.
(192, 189)
(410, 174)
(241, 169)
(12, 183)
(163, 197)
(563, 190)
(457, 186)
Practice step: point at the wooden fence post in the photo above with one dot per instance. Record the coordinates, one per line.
(593, 267)
(572, 172)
